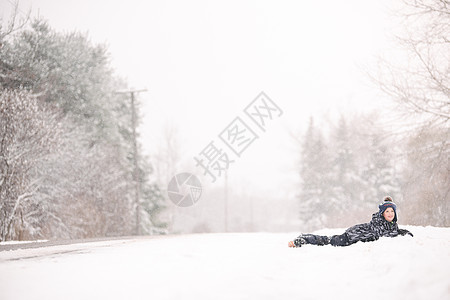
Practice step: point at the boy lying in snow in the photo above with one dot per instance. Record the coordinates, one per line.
(383, 223)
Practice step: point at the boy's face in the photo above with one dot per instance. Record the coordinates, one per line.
(389, 214)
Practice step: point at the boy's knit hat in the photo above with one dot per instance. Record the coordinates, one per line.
(387, 202)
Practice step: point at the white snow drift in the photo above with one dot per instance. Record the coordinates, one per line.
(232, 266)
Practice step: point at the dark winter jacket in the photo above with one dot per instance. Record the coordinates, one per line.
(373, 230)
(366, 232)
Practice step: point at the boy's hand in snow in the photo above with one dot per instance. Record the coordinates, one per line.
(291, 244)
(404, 232)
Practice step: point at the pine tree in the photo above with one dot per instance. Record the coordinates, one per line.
(346, 181)
(380, 173)
(315, 194)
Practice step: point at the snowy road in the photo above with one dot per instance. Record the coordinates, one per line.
(231, 266)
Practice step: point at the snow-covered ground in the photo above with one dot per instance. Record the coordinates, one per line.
(22, 242)
(232, 266)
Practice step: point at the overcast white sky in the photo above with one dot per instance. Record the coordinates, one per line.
(204, 61)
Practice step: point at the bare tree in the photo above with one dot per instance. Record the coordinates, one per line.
(419, 82)
(15, 22)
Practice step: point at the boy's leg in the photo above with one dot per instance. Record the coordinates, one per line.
(311, 239)
(340, 240)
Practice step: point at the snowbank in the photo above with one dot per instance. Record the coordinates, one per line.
(232, 266)
(22, 242)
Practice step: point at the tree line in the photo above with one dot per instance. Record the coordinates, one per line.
(357, 163)
(348, 168)
(344, 172)
(66, 145)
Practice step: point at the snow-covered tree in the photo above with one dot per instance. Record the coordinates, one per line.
(27, 133)
(86, 185)
(379, 160)
(315, 165)
(346, 181)
(345, 175)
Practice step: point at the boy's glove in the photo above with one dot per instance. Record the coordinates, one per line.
(404, 232)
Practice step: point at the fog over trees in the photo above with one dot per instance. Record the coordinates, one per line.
(68, 161)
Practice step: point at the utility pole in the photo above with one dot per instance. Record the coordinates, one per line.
(136, 177)
(226, 201)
